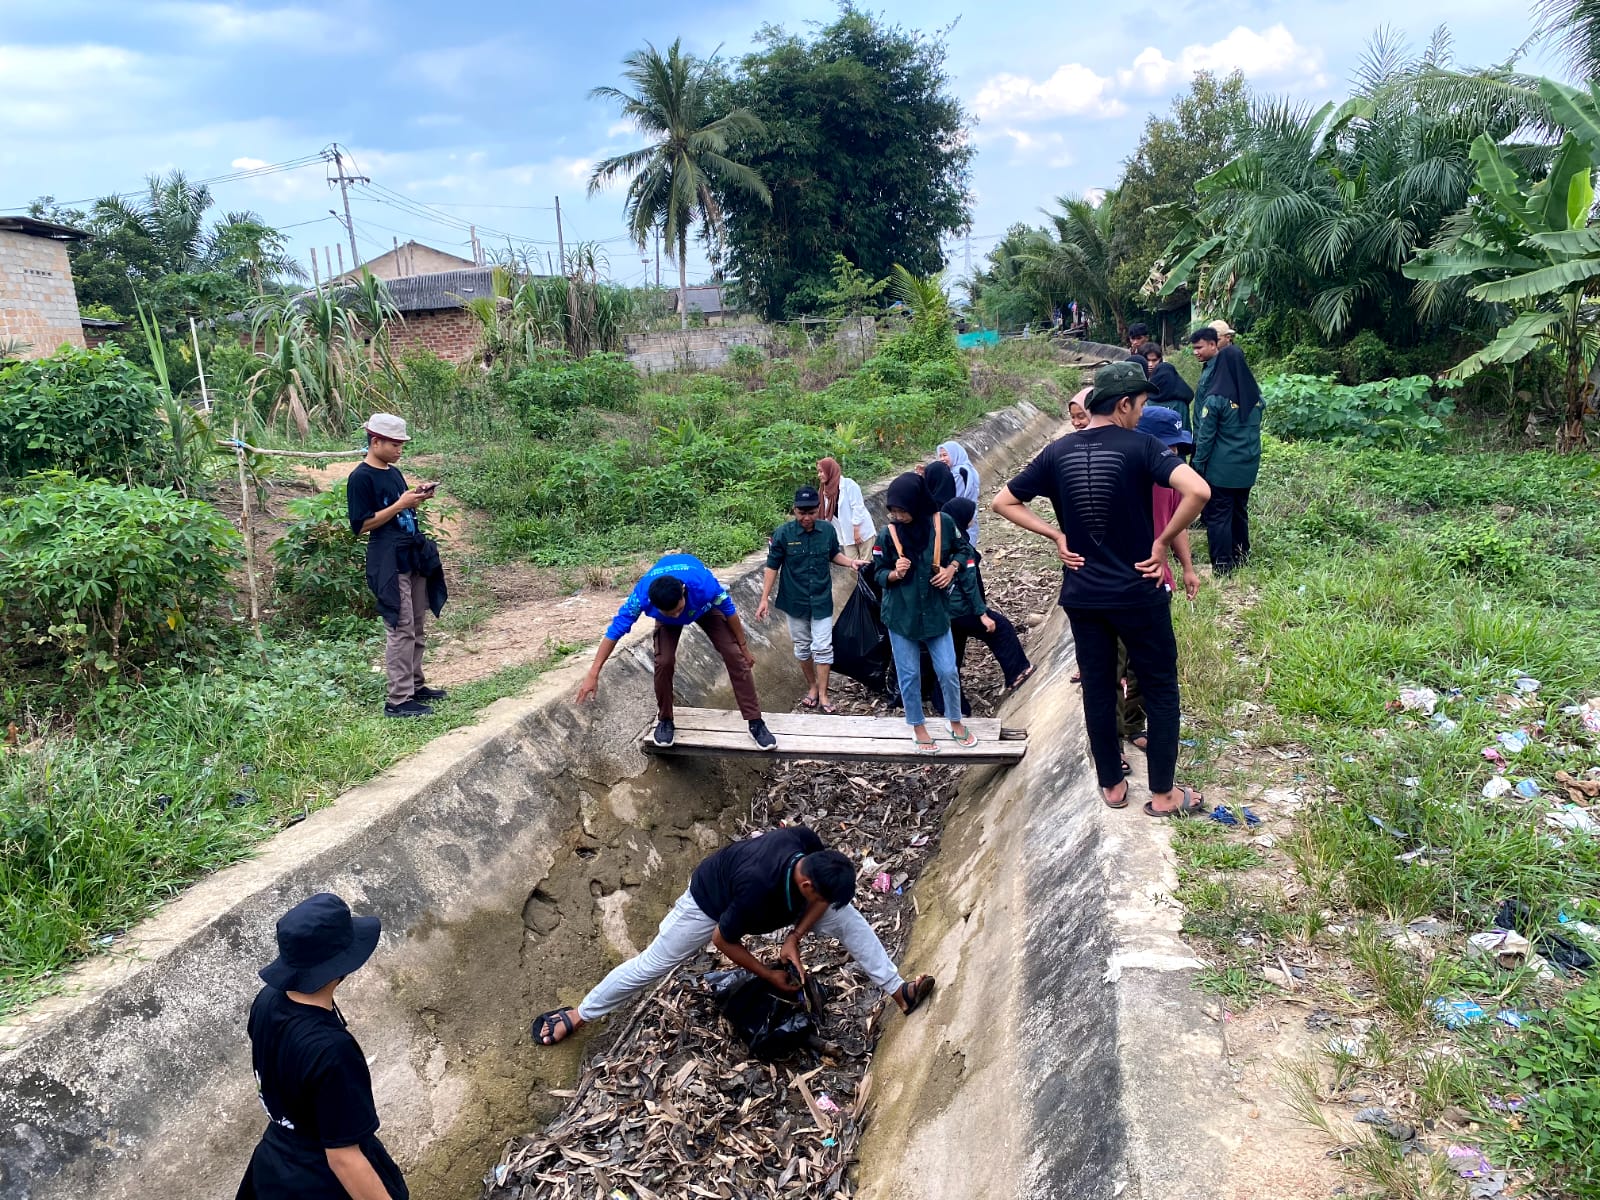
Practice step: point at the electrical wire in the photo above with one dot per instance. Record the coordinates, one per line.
(293, 164)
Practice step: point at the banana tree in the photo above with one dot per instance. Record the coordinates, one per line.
(1532, 247)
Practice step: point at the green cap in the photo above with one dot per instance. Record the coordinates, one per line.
(1120, 379)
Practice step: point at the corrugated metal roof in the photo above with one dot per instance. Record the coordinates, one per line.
(444, 289)
(34, 227)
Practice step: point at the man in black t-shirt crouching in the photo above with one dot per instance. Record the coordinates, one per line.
(1099, 479)
(403, 568)
(779, 878)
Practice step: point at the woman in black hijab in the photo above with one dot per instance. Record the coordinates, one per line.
(1167, 387)
(940, 482)
(913, 568)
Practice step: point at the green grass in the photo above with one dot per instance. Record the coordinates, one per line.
(153, 785)
(1376, 570)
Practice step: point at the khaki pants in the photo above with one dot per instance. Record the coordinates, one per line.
(402, 654)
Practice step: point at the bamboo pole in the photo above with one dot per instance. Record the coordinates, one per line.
(235, 443)
(248, 528)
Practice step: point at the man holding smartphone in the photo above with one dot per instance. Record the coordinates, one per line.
(403, 567)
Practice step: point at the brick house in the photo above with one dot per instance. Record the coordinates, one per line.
(706, 302)
(435, 317)
(38, 307)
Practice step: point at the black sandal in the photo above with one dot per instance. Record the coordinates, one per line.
(915, 991)
(1126, 768)
(546, 1025)
(1191, 803)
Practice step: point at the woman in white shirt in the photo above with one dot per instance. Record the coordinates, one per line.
(842, 504)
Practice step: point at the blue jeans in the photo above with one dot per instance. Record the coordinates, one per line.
(908, 669)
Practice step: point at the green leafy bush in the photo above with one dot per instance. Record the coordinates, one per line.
(1554, 1063)
(1483, 548)
(745, 360)
(544, 394)
(1365, 358)
(95, 577)
(1309, 360)
(1389, 412)
(89, 412)
(322, 571)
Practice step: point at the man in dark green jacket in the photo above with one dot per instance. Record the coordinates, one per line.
(800, 555)
(1227, 450)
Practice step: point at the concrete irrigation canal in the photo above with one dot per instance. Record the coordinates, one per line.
(512, 862)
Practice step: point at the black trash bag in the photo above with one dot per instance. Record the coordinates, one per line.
(771, 1024)
(860, 641)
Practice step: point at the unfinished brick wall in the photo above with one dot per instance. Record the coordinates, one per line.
(37, 303)
(451, 333)
(679, 349)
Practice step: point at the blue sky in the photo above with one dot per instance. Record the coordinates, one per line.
(479, 113)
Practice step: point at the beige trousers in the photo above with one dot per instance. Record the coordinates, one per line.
(402, 654)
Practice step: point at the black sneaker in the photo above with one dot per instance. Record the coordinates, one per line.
(763, 735)
(411, 708)
(430, 693)
(665, 732)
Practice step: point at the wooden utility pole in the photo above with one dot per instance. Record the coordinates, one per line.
(561, 244)
(247, 526)
(349, 226)
(316, 276)
(200, 366)
(658, 260)
(340, 249)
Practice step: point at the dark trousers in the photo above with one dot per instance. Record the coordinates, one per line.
(721, 635)
(1227, 528)
(1003, 643)
(1153, 653)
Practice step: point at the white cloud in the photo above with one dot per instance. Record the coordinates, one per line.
(248, 164)
(1074, 90)
(618, 128)
(46, 91)
(306, 29)
(1272, 54)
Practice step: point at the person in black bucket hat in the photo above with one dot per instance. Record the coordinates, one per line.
(321, 1140)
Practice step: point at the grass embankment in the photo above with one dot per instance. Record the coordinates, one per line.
(1375, 571)
(117, 794)
(157, 784)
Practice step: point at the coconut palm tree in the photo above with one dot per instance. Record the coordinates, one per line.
(1575, 25)
(671, 180)
(1075, 258)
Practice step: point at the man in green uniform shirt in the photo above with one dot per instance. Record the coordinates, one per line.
(798, 560)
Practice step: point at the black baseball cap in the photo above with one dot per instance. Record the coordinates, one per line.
(318, 941)
(807, 497)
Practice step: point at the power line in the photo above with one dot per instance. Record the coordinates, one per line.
(293, 164)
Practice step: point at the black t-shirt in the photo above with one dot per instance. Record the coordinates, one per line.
(747, 887)
(368, 492)
(1099, 481)
(313, 1082)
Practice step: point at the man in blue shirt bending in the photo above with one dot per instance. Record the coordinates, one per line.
(680, 590)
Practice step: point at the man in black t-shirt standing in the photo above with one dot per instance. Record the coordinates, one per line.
(403, 568)
(1099, 479)
(776, 879)
(321, 1141)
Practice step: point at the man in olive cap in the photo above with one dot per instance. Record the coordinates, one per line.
(1099, 479)
(322, 1141)
(403, 568)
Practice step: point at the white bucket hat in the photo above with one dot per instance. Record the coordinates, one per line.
(1221, 326)
(387, 425)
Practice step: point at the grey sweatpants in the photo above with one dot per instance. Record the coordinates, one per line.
(402, 652)
(684, 933)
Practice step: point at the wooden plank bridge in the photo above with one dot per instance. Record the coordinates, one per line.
(710, 732)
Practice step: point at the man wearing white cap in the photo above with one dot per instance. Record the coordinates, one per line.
(403, 568)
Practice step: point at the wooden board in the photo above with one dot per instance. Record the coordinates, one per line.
(713, 732)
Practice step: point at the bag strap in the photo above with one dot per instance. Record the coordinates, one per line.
(938, 540)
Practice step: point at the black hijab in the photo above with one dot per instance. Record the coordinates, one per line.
(1167, 386)
(941, 483)
(1231, 378)
(961, 511)
(910, 492)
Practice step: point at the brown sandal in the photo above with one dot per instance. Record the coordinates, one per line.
(1122, 803)
(1191, 802)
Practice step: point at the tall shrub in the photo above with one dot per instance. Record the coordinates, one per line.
(96, 577)
(88, 412)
